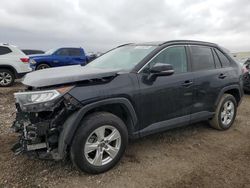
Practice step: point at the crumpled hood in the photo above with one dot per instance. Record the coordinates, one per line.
(64, 75)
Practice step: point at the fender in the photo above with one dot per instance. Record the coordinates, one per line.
(225, 89)
(4, 66)
(44, 62)
(72, 123)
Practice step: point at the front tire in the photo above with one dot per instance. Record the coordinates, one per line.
(7, 78)
(42, 66)
(99, 143)
(225, 113)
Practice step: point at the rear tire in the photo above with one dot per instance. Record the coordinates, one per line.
(7, 78)
(42, 66)
(99, 143)
(225, 113)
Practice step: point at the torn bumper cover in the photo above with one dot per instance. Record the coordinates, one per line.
(40, 126)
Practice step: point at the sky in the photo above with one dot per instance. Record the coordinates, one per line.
(98, 25)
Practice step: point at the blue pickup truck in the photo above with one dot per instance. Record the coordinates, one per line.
(58, 57)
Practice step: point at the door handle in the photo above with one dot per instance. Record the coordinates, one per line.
(187, 83)
(222, 76)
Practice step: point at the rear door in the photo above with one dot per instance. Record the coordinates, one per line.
(209, 78)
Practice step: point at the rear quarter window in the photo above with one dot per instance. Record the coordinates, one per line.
(202, 58)
(4, 50)
(216, 60)
(223, 59)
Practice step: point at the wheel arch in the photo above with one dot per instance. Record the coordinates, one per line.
(120, 107)
(43, 62)
(234, 90)
(11, 68)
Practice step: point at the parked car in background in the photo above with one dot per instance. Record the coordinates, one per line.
(246, 75)
(30, 52)
(247, 62)
(131, 91)
(13, 64)
(58, 57)
(246, 81)
(91, 56)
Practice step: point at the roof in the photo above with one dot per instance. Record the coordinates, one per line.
(4, 44)
(7, 44)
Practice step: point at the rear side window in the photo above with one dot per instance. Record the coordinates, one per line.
(4, 50)
(202, 58)
(75, 52)
(223, 59)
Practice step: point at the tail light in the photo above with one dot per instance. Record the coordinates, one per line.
(25, 60)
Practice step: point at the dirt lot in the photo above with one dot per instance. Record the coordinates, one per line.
(193, 156)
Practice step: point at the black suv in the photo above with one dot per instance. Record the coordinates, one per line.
(132, 91)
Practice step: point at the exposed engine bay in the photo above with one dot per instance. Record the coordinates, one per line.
(40, 126)
(44, 106)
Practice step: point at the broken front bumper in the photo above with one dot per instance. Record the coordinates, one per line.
(40, 131)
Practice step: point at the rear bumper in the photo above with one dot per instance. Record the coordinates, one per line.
(33, 67)
(20, 75)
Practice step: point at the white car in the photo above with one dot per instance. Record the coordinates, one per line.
(13, 64)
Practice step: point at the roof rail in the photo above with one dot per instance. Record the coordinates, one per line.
(124, 45)
(190, 41)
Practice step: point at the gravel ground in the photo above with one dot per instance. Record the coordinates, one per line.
(193, 156)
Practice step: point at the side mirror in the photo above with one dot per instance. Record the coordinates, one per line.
(161, 69)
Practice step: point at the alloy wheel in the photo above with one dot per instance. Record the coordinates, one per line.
(43, 66)
(227, 113)
(102, 145)
(5, 78)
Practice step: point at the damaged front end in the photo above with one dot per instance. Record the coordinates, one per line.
(39, 120)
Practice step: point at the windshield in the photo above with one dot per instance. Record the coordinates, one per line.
(124, 58)
(51, 51)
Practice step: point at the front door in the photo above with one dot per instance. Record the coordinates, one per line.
(167, 97)
(62, 57)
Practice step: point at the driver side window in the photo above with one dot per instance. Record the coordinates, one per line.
(175, 56)
(62, 52)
